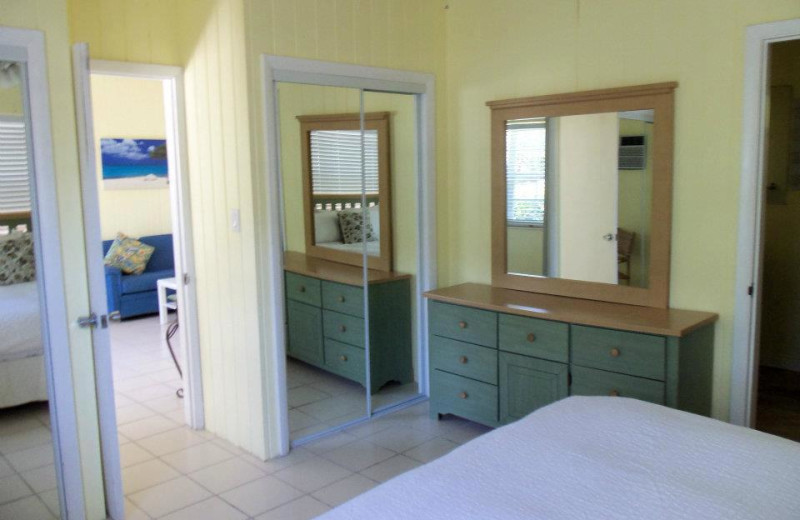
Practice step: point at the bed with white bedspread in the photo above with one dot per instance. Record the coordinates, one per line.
(22, 377)
(587, 458)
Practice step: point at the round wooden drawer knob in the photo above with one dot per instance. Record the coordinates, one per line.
(531, 337)
(342, 328)
(302, 288)
(463, 360)
(614, 393)
(462, 324)
(614, 352)
(463, 395)
(343, 358)
(341, 299)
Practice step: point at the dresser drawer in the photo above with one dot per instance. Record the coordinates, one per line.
(626, 352)
(533, 337)
(343, 327)
(463, 323)
(464, 359)
(345, 360)
(303, 289)
(588, 381)
(338, 297)
(304, 331)
(464, 397)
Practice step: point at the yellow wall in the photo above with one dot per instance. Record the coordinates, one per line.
(132, 108)
(525, 250)
(10, 101)
(580, 45)
(50, 16)
(635, 192)
(780, 328)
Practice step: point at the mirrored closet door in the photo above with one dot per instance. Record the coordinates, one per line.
(28, 476)
(324, 242)
(348, 172)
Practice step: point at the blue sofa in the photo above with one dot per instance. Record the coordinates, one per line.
(135, 294)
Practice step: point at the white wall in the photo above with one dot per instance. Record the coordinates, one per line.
(129, 108)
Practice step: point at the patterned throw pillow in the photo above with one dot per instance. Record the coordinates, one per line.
(352, 221)
(17, 262)
(128, 254)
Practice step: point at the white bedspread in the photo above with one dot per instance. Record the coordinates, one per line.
(599, 458)
(20, 327)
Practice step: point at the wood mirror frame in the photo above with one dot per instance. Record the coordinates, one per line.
(660, 98)
(372, 121)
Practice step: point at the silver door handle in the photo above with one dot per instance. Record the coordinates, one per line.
(608, 236)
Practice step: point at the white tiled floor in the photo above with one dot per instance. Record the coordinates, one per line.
(319, 400)
(172, 472)
(27, 474)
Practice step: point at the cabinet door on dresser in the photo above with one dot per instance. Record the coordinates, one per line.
(528, 383)
(305, 332)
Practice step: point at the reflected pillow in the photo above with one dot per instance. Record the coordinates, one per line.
(354, 229)
(128, 254)
(326, 227)
(375, 221)
(17, 261)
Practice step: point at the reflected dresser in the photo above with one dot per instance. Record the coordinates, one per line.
(326, 320)
(498, 354)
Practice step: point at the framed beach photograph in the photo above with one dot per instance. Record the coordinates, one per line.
(134, 164)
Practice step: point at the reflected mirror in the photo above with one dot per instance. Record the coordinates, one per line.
(27, 466)
(335, 191)
(578, 196)
(581, 194)
(325, 342)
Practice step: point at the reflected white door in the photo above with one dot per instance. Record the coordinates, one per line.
(588, 177)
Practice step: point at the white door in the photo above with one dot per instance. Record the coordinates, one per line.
(97, 288)
(587, 188)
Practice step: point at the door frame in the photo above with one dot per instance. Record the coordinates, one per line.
(752, 198)
(28, 46)
(180, 205)
(299, 70)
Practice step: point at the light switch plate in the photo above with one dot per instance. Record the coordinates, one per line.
(236, 223)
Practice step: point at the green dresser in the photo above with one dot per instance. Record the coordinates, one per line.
(325, 322)
(496, 354)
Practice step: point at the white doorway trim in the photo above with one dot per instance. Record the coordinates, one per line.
(746, 320)
(27, 46)
(297, 70)
(180, 205)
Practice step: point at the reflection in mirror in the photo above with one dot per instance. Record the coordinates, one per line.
(578, 196)
(393, 347)
(331, 153)
(26, 447)
(326, 364)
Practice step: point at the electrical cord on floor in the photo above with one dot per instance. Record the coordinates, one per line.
(172, 329)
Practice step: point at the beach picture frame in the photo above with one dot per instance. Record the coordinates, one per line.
(134, 164)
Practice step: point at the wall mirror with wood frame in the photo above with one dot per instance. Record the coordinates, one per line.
(582, 194)
(335, 209)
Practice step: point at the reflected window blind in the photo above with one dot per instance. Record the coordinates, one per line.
(15, 189)
(526, 143)
(336, 161)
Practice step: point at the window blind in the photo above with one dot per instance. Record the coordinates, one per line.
(15, 189)
(336, 161)
(526, 143)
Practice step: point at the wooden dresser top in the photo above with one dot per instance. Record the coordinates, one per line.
(665, 322)
(335, 272)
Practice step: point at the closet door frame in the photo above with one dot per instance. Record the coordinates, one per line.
(269, 230)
